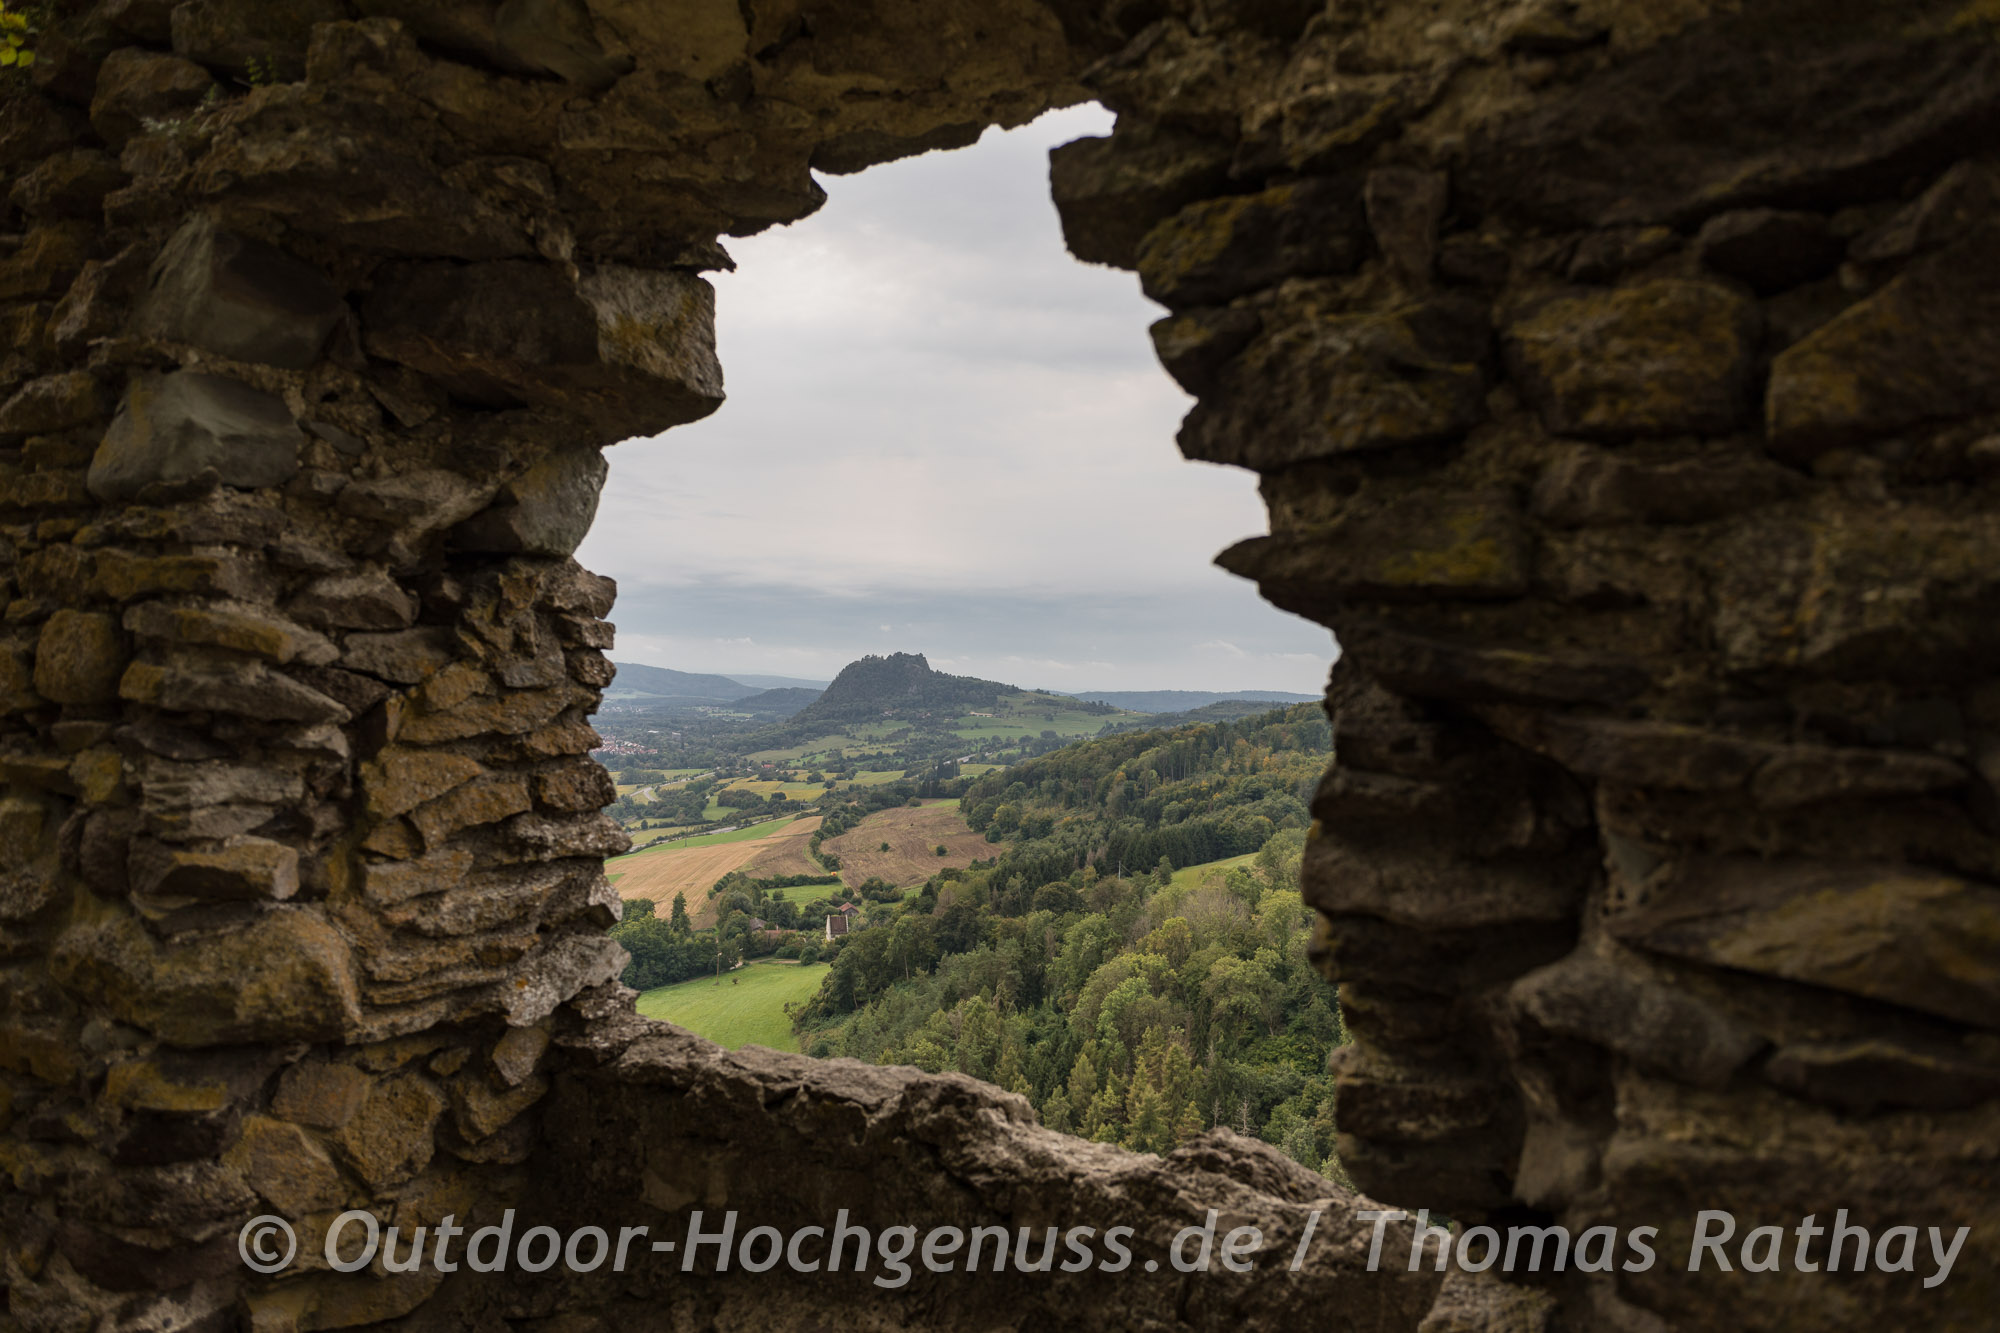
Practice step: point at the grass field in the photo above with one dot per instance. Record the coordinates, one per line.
(801, 893)
(913, 834)
(1190, 877)
(746, 1008)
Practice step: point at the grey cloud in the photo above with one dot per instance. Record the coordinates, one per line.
(941, 422)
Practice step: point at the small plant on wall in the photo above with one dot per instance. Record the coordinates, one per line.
(17, 31)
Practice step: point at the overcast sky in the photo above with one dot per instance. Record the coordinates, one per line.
(943, 435)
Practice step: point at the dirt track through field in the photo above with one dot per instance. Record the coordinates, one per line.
(913, 834)
(659, 875)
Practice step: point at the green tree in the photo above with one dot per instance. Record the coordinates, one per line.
(677, 921)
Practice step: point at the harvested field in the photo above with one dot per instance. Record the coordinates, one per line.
(788, 852)
(660, 874)
(913, 834)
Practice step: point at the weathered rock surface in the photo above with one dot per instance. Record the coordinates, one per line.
(187, 426)
(238, 298)
(1621, 381)
(280, 976)
(1665, 358)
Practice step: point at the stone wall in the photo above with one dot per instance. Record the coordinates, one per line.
(1622, 380)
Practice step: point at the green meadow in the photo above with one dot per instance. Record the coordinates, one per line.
(742, 1008)
(1191, 877)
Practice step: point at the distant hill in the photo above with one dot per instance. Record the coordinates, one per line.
(666, 683)
(776, 703)
(1182, 701)
(1222, 710)
(778, 682)
(896, 684)
(901, 685)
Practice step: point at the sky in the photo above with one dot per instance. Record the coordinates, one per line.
(943, 435)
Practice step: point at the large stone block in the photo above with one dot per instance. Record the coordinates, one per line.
(632, 350)
(1769, 249)
(239, 298)
(1432, 889)
(1195, 345)
(487, 801)
(79, 657)
(577, 786)
(391, 1137)
(238, 628)
(1833, 590)
(51, 403)
(1322, 382)
(1669, 357)
(48, 260)
(321, 1094)
(1405, 206)
(367, 600)
(189, 425)
(1899, 934)
(547, 510)
(558, 36)
(1870, 1073)
(397, 781)
(135, 86)
(1111, 191)
(1435, 545)
(227, 35)
(1645, 1020)
(1921, 350)
(281, 976)
(403, 656)
(69, 185)
(286, 1166)
(246, 689)
(387, 883)
(1591, 487)
(1218, 249)
(369, 186)
(241, 868)
(1680, 129)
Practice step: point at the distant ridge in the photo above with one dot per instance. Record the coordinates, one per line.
(901, 685)
(898, 682)
(700, 687)
(781, 703)
(777, 682)
(1183, 701)
(665, 682)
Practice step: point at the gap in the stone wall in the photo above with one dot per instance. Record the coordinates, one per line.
(946, 436)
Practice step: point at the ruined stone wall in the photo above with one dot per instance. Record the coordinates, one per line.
(1625, 382)
(1622, 380)
(317, 318)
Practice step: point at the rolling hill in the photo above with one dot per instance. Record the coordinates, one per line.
(782, 702)
(666, 684)
(1185, 701)
(899, 686)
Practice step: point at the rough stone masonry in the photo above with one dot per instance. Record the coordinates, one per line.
(1625, 381)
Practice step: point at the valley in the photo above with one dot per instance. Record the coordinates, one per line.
(1040, 891)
